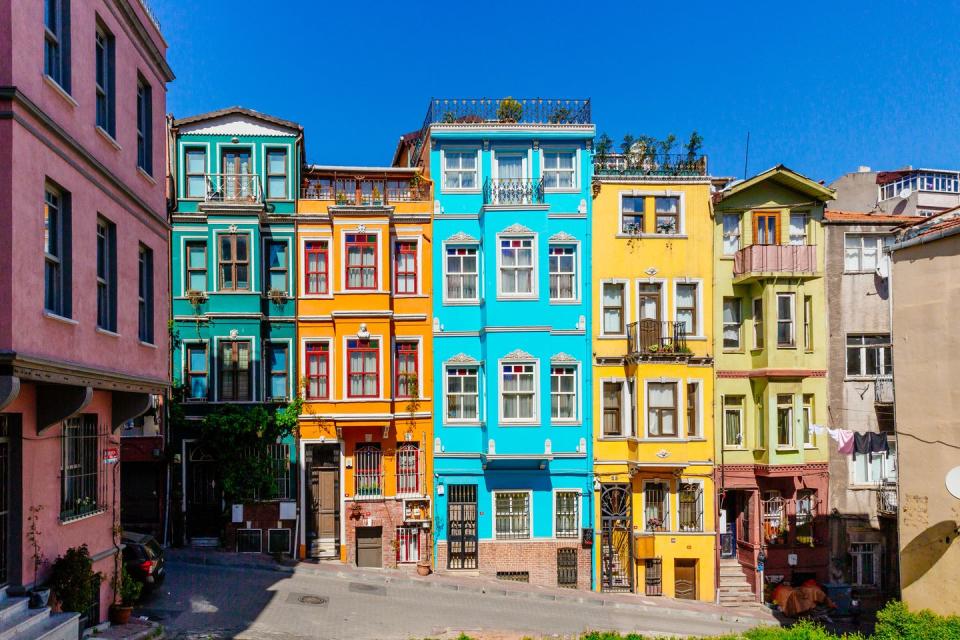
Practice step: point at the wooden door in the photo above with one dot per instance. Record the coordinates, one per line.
(204, 496)
(323, 492)
(685, 579)
(766, 228)
(370, 547)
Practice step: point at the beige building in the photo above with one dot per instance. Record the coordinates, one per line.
(926, 304)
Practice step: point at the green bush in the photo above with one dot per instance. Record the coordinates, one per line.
(896, 622)
(74, 581)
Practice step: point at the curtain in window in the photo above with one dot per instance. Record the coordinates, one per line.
(661, 404)
(613, 309)
(686, 303)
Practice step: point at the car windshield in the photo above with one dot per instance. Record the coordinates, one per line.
(153, 549)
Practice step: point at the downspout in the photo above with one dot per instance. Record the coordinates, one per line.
(165, 436)
(588, 299)
(896, 436)
(295, 547)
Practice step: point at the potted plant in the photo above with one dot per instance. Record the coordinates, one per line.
(39, 596)
(341, 198)
(376, 197)
(195, 297)
(277, 295)
(127, 592)
(74, 581)
(509, 110)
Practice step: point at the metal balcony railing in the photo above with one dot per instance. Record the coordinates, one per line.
(520, 110)
(649, 164)
(657, 337)
(513, 191)
(365, 192)
(887, 501)
(883, 390)
(233, 188)
(775, 258)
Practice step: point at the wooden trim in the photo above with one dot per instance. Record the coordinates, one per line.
(763, 215)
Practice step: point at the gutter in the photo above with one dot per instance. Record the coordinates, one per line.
(924, 239)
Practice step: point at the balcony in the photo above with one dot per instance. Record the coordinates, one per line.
(657, 339)
(513, 192)
(883, 391)
(353, 192)
(233, 188)
(508, 110)
(760, 261)
(639, 164)
(887, 502)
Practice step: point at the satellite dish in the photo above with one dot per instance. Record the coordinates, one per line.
(953, 482)
(905, 193)
(883, 267)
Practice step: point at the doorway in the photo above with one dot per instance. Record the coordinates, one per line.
(370, 547)
(5, 484)
(204, 494)
(462, 522)
(323, 491)
(685, 579)
(766, 228)
(616, 537)
(237, 179)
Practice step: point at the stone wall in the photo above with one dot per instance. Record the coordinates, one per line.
(537, 557)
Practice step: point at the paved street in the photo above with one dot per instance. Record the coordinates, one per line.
(227, 602)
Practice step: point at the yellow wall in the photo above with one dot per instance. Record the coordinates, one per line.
(668, 260)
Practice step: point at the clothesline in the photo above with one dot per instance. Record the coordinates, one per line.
(854, 442)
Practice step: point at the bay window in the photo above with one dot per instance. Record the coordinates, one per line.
(363, 368)
(518, 392)
(318, 371)
(462, 274)
(563, 393)
(361, 261)
(462, 394)
(517, 266)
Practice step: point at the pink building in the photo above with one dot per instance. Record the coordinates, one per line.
(83, 268)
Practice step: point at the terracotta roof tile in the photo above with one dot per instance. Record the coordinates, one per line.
(865, 217)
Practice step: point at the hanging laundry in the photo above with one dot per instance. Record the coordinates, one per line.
(878, 442)
(861, 443)
(818, 429)
(870, 442)
(844, 439)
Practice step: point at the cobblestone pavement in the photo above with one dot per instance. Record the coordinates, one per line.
(216, 601)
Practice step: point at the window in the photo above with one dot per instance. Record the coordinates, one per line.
(197, 372)
(567, 514)
(512, 514)
(144, 125)
(105, 80)
(648, 304)
(408, 544)
(563, 393)
(80, 463)
(462, 394)
(563, 273)
(733, 421)
(731, 233)
(865, 565)
(408, 469)
(516, 266)
(766, 228)
(690, 505)
(57, 236)
(761, 422)
(368, 471)
(667, 209)
(196, 171)
(732, 323)
(278, 265)
(361, 261)
(234, 262)
(106, 275)
(460, 170)
(363, 373)
(805, 507)
(462, 274)
(869, 355)
(405, 267)
(318, 371)
(808, 323)
(316, 268)
(196, 274)
(873, 468)
(406, 367)
(758, 323)
(774, 523)
(863, 252)
(518, 392)
(613, 409)
(785, 420)
(798, 228)
(276, 174)
(613, 308)
(277, 359)
(687, 308)
(656, 506)
(785, 320)
(234, 370)
(808, 435)
(661, 409)
(631, 218)
(56, 51)
(559, 170)
(145, 294)
(693, 409)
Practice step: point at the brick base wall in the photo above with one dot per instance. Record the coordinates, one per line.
(257, 515)
(386, 514)
(537, 557)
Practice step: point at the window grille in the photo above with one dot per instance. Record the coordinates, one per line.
(83, 485)
(656, 513)
(774, 520)
(278, 457)
(513, 515)
(567, 568)
(368, 472)
(806, 512)
(408, 544)
(514, 576)
(249, 540)
(690, 498)
(567, 514)
(653, 576)
(408, 469)
(278, 541)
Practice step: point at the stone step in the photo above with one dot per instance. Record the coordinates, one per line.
(204, 542)
(11, 607)
(24, 624)
(59, 626)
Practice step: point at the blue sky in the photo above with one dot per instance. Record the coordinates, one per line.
(822, 90)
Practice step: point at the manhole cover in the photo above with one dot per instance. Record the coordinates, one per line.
(307, 598)
(313, 600)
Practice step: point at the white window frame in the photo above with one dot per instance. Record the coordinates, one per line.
(856, 568)
(805, 233)
(682, 214)
(807, 414)
(792, 320)
(625, 284)
(759, 327)
(493, 511)
(443, 169)
(700, 408)
(577, 393)
(730, 235)
(579, 502)
(680, 419)
(534, 293)
(791, 444)
(447, 300)
(575, 173)
(626, 429)
(738, 323)
(888, 467)
(881, 240)
(511, 153)
(478, 370)
(698, 283)
(535, 419)
(741, 411)
(575, 245)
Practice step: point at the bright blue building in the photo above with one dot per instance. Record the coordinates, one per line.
(512, 448)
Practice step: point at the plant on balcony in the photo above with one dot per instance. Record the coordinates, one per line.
(448, 117)
(693, 146)
(277, 296)
(341, 198)
(602, 147)
(509, 110)
(560, 115)
(376, 197)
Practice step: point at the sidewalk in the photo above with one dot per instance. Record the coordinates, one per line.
(748, 616)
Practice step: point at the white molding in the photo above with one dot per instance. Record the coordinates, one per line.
(517, 355)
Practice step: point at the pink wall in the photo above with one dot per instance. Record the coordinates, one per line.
(42, 486)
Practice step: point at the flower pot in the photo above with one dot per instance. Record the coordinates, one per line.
(423, 569)
(119, 614)
(39, 598)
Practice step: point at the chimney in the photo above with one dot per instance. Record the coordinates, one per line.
(863, 169)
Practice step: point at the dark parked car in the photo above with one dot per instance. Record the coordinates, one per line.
(143, 557)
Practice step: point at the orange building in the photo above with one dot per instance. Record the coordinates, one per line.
(364, 337)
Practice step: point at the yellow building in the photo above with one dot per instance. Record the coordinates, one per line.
(364, 338)
(653, 379)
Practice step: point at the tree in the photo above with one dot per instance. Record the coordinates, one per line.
(666, 145)
(693, 146)
(627, 143)
(602, 146)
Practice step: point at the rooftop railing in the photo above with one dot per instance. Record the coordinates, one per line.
(649, 164)
(351, 192)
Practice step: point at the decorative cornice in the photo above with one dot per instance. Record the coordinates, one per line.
(773, 373)
(517, 228)
(462, 237)
(518, 355)
(562, 236)
(462, 358)
(562, 357)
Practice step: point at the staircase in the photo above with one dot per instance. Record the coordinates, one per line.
(19, 622)
(735, 589)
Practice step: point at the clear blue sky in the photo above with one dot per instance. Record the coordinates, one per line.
(821, 89)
